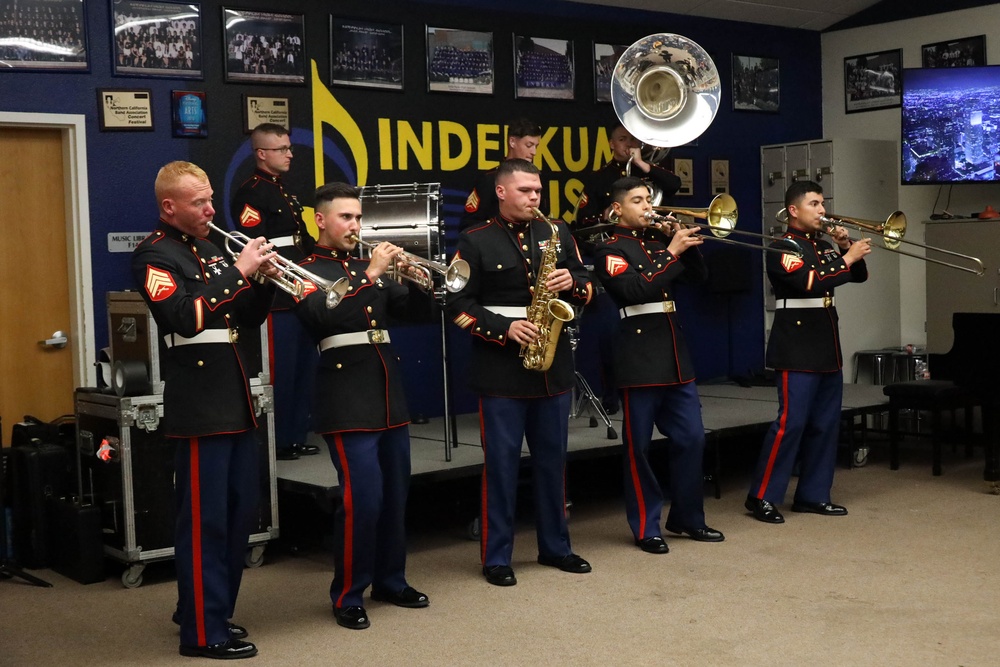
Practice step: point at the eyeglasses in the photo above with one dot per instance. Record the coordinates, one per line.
(281, 149)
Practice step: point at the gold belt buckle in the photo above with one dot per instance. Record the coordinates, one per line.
(376, 336)
(234, 335)
(827, 301)
(669, 307)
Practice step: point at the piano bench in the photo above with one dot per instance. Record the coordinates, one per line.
(934, 396)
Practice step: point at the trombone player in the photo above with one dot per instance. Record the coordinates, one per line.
(804, 351)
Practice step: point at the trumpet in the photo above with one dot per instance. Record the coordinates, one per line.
(293, 278)
(456, 274)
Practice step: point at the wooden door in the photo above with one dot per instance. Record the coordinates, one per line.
(34, 282)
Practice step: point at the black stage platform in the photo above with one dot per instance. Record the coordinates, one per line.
(727, 411)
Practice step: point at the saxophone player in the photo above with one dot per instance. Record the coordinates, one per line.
(506, 254)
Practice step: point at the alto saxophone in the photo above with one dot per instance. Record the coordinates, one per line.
(546, 311)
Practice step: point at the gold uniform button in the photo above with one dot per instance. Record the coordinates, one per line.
(339, 366)
(499, 266)
(212, 299)
(489, 333)
(500, 336)
(225, 291)
(798, 323)
(374, 323)
(239, 282)
(369, 309)
(201, 363)
(638, 331)
(354, 273)
(203, 261)
(364, 281)
(524, 248)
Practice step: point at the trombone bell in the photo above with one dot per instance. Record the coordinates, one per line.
(720, 215)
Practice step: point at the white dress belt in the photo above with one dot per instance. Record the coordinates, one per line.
(283, 241)
(648, 308)
(372, 336)
(516, 312)
(207, 336)
(816, 302)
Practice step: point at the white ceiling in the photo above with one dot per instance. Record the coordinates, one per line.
(805, 14)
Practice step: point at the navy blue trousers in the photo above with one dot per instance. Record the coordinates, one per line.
(504, 424)
(218, 497)
(807, 428)
(369, 532)
(293, 374)
(675, 410)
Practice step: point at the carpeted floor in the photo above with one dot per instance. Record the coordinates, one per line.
(910, 577)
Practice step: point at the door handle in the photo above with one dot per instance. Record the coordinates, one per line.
(57, 341)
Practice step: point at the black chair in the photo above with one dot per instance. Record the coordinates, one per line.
(933, 396)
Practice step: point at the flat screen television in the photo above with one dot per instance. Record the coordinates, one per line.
(951, 125)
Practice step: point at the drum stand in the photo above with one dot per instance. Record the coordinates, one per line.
(583, 395)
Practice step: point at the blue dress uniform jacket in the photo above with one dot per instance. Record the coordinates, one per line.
(596, 196)
(808, 339)
(262, 207)
(190, 288)
(358, 387)
(503, 258)
(635, 268)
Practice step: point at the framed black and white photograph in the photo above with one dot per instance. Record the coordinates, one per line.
(156, 39)
(871, 81)
(44, 35)
(366, 54)
(965, 52)
(543, 68)
(124, 109)
(264, 47)
(459, 61)
(605, 58)
(756, 84)
(187, 113)
(257, 110)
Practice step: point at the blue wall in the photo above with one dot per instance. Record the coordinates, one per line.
(724, 329)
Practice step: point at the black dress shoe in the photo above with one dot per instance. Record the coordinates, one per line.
(354, 618)
(653, 545)
(408, 597)
(705, 534)
(499, 575)
(306, 450)
(826, 509)
(764, 511)
(568, 563)
(286, 454)
(235, 631)
(234, 649)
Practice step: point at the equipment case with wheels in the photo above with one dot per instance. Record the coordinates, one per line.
(128, 466)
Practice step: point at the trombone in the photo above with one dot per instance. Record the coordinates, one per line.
(892, 232)
(293, 278)
(456, 274)
(720, 218)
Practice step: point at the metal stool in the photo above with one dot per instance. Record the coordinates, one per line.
(879, 363)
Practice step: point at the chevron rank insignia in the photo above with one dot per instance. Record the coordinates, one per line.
(464, 320)
(472, 203)
(159, 284)
(791, 263)
(250, 217)
(615, 265)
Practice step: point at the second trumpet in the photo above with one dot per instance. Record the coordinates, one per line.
(455, 275)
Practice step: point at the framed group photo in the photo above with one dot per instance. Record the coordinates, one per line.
(965, 52)
(871, 81)
(756, 84)
(606, 57)
(264, 47)
(44, 35)
(366, 54)
(156, 39)
(544, 68)
(459, 61)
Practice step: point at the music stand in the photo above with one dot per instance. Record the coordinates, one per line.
(8, 567)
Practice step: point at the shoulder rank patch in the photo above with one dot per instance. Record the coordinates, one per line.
(308, 287)
(791, 263)
(582, 202)
(464, 320)
(159, 284)
(250, 217)
(615, 265)
(472, 203)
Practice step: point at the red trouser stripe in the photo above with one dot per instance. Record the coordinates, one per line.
(196, 569)
(348, 500)
(483, 488)
(630, 449)
(779, 436)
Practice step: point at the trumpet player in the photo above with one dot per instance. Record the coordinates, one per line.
(360, 409)
(505, 256)
(639, 268)
(804, 351)
(200, 300)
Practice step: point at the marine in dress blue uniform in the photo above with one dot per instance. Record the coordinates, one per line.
(360, 409)
(201, 301)
(638, 266)
(262, 206)
(504, 254)
(804, 351)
